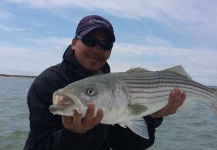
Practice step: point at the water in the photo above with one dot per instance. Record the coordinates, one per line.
(14, 124)
(197, 132)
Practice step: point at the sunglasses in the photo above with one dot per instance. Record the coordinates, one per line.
(92, 41)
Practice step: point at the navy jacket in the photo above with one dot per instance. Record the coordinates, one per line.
(46, 129)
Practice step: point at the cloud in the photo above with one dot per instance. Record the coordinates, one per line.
(193, 19)
(5, 15)
(9, 29)
(26, 60)
(161, 57)
(152, 40)
(179, 32)
(172, 54)
(5, 28)
(161, 10)
(52, 40)
(124, 56)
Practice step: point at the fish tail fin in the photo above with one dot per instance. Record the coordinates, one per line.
(214, 109)
(184, 109)
(213, 106)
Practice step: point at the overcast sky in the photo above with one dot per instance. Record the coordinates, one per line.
(152, 34)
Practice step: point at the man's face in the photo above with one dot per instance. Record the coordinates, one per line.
(91, 58)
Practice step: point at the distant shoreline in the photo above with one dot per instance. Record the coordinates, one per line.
(20, 76)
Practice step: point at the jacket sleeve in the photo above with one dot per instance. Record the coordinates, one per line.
(47, 131)
(125, 139)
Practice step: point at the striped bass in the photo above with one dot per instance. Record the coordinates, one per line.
(126, 97)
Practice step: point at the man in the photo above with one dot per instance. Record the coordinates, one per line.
(86, 56)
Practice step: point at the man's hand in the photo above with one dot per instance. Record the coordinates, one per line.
(175, 101)
(77, 124)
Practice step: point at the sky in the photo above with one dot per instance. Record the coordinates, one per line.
(152, 34)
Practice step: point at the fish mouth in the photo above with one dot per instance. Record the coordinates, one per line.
(63, 100)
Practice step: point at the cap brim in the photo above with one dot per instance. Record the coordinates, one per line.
(110, 34)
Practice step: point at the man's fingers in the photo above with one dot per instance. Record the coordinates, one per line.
(67, 121)
(98, 118)
(183, 97)
(90, 121)
(180, 97)
(171, 98)
(174, 101)
(177, 93)
(78, 124)
(77, 119)
(87, 120)
(177, 98)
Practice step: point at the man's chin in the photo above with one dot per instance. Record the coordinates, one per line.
(93, 67)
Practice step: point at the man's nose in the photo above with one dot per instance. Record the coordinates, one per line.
(98, 48)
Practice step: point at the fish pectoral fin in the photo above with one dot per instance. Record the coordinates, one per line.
(136, 109)
(123, 125)
(139, 127)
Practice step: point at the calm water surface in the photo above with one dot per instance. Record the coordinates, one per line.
(197, 132)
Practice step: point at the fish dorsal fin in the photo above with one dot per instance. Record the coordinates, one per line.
(178, 70)
(137, 69)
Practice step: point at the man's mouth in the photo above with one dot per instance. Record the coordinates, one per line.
(95, 57)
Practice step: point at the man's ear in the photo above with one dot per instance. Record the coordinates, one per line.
(74, 43)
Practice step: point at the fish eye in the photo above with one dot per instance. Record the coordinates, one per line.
(90, 92)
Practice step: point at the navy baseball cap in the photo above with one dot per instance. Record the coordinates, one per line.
(92, 22)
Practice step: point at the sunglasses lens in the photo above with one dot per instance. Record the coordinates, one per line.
(91, 41)
(106, 45)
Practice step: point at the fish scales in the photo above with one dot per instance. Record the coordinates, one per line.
(152, 86)
(159, 87)
(165, 80)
